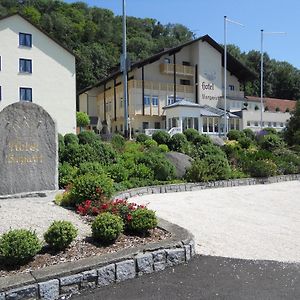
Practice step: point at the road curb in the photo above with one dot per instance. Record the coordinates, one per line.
(61, 280)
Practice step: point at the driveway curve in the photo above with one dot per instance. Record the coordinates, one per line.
(259, 222)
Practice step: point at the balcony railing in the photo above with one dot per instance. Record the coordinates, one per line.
(180, 69)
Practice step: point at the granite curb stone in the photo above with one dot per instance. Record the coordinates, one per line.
(49, 290)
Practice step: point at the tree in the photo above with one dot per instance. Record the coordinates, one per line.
(82, 119)
(292, 132)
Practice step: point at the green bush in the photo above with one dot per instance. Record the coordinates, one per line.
(91, 187)
(118, 172)
(67, 174)
(106, 154)
(202, 139)
(90, 168)
(87, 137)
(60, 234)
(177, 142)
(18, 246)
(82, 119)
(142, 137)
(64, 199)
(262, 168)
(107, 227)
(271, 142)
(207, 150)
(142, 220)
(118, 142)
(249, 133)
(161, 137)
(163, 148)
(77, 154)
(191, 134)
(270, 130)
(141, 171)
(235, 135)
(245, 142)
(61, 146)
(287, 161)
(71, 138)
(150, 143)
(209, 168)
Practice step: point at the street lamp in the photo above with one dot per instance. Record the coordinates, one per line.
(124, 70)
(262, 33)
(225, 69)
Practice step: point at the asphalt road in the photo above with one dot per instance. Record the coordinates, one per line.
(207, 277)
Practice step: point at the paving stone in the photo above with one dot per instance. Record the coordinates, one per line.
(26, 292)
(106, 275)
(72, 279)
(159, 260)
(175, 256)
(49, 290)
(187, 249)
(144, 263)
(69, 289)
(125, 270)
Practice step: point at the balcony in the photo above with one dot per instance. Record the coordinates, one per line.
(180, 69)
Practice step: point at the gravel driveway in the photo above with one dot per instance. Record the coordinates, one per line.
(250, 222)
(36, 214)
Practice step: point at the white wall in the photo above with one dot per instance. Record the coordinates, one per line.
(53, 78)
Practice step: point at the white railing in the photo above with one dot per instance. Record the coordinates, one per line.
(174, 130)
(150, 131)
(171, 132)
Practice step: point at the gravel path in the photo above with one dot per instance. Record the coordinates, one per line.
(36, 214)
(250, 222)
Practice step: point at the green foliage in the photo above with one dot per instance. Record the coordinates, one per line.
(61, 146)
(18, 246)
(91, 187)
(262, 168)
(142, 137)
(245, 142)
(177, 142)
(60, 234)
(118, 172)
(87, 137)
(118, 142)
(107, 227)
(64, 199)
(202, 139)
(207, 150)
(71, 138)
(106, 154)
(287, 161)
(142, 220)
(66, 173)
(271, 142)
(150, 143)
(164, 148)
(77, 154)
(270, 130)
(161, 137)
(249, 133)
(90, 168)
(82, 119)
(209, 168)
(191, 134)
(235, 135)
(292, 132)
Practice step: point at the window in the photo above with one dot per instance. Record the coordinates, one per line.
(185, 82)
(167, 60)
(157, 125)
(25, 94)
(155, 100)
(25, 65)
(145, 125)
(255, 123)
(25, 39)
(281, 124)
(248, 123)
(231, 87)
(147, 100)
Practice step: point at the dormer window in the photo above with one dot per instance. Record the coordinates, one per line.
(25, 39)
(231, 87)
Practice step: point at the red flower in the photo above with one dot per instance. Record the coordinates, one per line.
(129, 217)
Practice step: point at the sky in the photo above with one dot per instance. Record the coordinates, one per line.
(207, 17)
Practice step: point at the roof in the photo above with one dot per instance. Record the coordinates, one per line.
(233, 65)
(182, 103)
(275, 103)
(38, 28)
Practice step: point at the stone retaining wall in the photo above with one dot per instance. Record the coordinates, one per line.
(57, 282)
(183, 187)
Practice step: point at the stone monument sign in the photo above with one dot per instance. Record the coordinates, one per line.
(28, 149)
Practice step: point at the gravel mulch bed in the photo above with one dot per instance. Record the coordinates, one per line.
(84, 248)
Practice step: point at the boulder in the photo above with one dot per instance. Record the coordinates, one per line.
(181, 161)
(216, 140)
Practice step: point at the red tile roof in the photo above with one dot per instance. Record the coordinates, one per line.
(274, 103)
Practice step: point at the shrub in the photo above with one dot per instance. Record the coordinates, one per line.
(141, 220)
(90, 168)
(150, 143)
(271, 142)
(177, 142)
(262, 168)
(249, 133)
(107, 227)
(202, 139)
(270, 130)
(87, 137)
(18, 246)
(245, 142)
(64, 199)
(71, 138)
(61, 146)
(82, 119)
(207, 150)
(209, 168)
(118, 142)
(77, 154)
(67, 174)
(142, 137)
(118, 172)
(191, 134)
(106, 154)
(163, 148)
(287, 161)
(141, 171)
(235, 134)
(92, 187)
(161, 137)
(60, 234)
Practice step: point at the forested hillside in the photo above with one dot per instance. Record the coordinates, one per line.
(95, 36)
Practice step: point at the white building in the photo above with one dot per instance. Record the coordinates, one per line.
(176, 89)
(34, 67)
